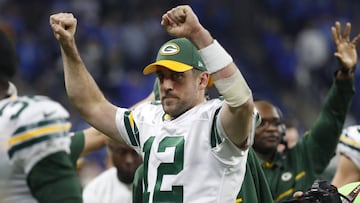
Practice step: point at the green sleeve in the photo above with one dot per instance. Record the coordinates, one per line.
(137, 185)
(54, 179)
(320, 142)
(76, 146)
(255, 187)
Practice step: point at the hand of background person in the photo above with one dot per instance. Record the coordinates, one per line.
(64, 27)
(181, 21)
(345, 49)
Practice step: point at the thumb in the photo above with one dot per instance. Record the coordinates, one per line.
(337, 55)
(298, 194)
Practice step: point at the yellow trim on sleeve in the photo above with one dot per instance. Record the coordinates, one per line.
(131, 120)
(284, 194)
(349, 141)
(300, 175)
(38, 132)
(239, 200)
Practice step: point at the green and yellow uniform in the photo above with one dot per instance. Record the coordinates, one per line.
(297, 168)
(36, 151)
(255, 187)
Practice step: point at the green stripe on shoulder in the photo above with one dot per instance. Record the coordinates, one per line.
(39, 124)
(131, 128)
(215, 138)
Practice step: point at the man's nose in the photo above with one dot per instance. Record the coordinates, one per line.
(272, 126)
(167, 83)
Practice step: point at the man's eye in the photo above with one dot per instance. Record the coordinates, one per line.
(270, 122)
(176, 76)
(263, 123)
(160, 77)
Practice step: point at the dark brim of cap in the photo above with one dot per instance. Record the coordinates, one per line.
(169, 64)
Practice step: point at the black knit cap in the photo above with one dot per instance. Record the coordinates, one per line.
(9, 60)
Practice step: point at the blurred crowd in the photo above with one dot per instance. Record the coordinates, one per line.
(283, 47)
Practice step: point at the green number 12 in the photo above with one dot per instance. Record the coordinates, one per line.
(176, 193)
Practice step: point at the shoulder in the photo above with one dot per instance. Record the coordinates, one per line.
(147, 109)
(350, 138)
(352, 133)
(31, 121)
(208, 107)
(28, 106)
(31, 112)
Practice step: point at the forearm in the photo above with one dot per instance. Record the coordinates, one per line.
(236, 113)
(94, 140)
(324, 134)
(329, 124)
(333, 114)
(81, 88)
(237, 110)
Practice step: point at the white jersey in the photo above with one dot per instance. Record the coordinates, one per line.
(31, 128)
(187, 159)
(349, 144)
(107, 188)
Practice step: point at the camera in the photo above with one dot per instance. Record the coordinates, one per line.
(320, 192)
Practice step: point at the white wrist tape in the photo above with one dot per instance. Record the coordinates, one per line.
(234, 89)
(215, 57)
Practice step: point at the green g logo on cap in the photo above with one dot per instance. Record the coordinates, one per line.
(169, 49)
(178, 55)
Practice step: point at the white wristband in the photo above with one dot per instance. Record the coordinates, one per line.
(215, 57)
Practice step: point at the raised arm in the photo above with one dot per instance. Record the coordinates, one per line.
(324, 134)
(81, 88)
(338, 99)
(236, 113)
(94, 140)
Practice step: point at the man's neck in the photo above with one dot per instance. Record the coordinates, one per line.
(266, 156)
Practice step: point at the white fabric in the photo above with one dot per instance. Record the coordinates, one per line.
(12, 91)
(107, 188)
(17, 113)
(234, 89)
(349, 144)
(215, 57)
(179, 151)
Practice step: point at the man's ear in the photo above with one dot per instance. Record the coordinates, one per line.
(204, 79)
